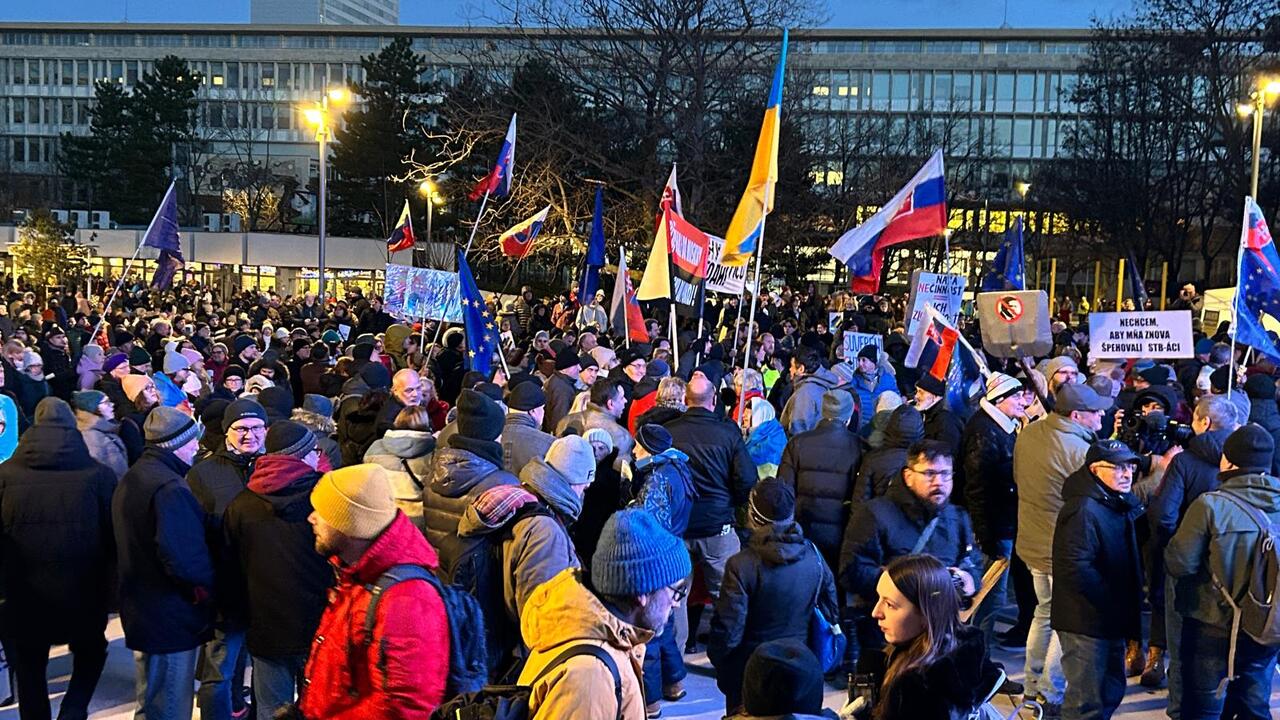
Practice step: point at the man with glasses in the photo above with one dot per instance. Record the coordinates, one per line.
(1098, 574)
(216, 481)
(1044, 455)
(914, 516)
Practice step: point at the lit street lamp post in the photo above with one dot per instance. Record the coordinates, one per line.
(320, 118)
(427, 190)
(1265, 91)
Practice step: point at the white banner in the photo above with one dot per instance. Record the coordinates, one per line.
(721, 279)
(1160, 335)
(943, 291)
(853, 342)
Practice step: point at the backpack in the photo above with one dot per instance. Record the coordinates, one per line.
(476, 568)
(511, 702)
(985, 710)
(468, 660)
(1258, 613)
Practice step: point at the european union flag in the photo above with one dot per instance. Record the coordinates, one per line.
(1139, 285)
(482, 331)
(162, 234)
(595, 253)
(1258, 289)
(1008, 272)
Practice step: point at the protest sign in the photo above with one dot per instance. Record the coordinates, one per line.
(432, 294)
(1014, 323)
(944, 291)
(688, 258)
(833, 320)
(853, 342)
(721, 279)
(1159, 335)
(393, 291)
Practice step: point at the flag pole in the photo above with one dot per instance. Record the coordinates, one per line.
(751, 319)
(106, 309)
(1235, 301)
(737, 321)
(483, 202)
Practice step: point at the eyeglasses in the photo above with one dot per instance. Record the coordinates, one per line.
(679, 593)
(1118, 469)
(933, 474)
(250, 430)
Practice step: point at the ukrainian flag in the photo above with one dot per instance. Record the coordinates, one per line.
(747, 227)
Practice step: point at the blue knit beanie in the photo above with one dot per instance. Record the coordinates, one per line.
(636, 555)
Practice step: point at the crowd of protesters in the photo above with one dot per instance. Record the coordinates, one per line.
(309, 508)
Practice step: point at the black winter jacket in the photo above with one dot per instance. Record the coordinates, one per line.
(950, 687)
(1264, 412)
(1097, 571)
(166, 574)
(218, 479)
(285, 581)
(458, 476)
(57, 553)
(883, 465)
(560, 390)
(991, 497)
(821, 465)
(723, 472)
(944, 426)
(1192, 473)
(888, 527)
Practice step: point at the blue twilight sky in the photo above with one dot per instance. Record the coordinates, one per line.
(844, 13)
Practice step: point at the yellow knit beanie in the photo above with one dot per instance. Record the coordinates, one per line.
(355, 500)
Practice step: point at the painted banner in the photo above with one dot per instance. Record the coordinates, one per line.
(414, 293)
(722, 279)
(1159, 335)
(943, 291)
(689, 253)
(397, 283)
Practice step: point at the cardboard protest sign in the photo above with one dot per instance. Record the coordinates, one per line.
(944, 291)
(1014, 323)
(852, 343)
(1159, 335)
(721, 279)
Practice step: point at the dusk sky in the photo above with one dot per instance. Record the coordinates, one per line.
(844, 13)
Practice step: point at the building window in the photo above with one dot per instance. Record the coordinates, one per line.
(67, 114)
(82, 72)
(821, 90)
(19, 150)
(233, 75)
(19, 113)
(269, 75)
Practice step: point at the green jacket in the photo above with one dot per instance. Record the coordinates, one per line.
(1046, 452)
(1217, 538)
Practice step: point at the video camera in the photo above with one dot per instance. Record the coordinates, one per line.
(1153, 433)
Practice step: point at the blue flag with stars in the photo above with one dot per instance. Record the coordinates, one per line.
(1008, 271)
(482, 331)
(162, 234)
(1258, 289)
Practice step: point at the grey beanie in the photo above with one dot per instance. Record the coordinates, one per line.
(572, 457)
(636, 555)
(169, 428)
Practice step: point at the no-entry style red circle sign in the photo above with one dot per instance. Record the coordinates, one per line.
(1009, 308)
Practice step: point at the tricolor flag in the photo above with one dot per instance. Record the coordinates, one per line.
(162, 234)
(918, 210)
(498, 182)
(677, 244)
(671, 193)
(402, 235)
(747, 226)
(935, 345)
(517, 241)
(625, 310)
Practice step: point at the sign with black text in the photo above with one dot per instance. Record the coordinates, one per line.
(1159, 335)
(944, 291)
(853, 342)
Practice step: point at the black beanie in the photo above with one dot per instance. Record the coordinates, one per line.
(782, 678)
(565, 360)
(211, 415)
(1260, 387)
(290, 438)
(654, 438)
(772, 500)
(362, 352)
(1250, 448)
(479, 417)
(526, 396)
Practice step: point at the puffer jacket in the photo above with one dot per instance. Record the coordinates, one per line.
(1046, 452)
(767, 594)
(889, 527)
(102, 437)
(882, 467)
(666, 489)
(522, 441)
(821, 466)
(458, 477)
(560, 614)
(400, 671)
(804, 408)
(1264, 412)
(1191, 474)
(949, 687)
(406, 456)
(869, 390)
(1097, 571)
(595, 417)
(986, 459)
(723, 472)
(57, 554)
(1216, 539)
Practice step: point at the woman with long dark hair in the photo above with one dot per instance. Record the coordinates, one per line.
(936, 667)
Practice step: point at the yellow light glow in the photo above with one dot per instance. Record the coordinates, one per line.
(1271, 87)
(337, 95)
(1244, 109)
(437, 199)
(1022, 187)
(426, 188)
(314, 116)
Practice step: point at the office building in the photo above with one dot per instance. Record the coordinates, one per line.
(324, 12)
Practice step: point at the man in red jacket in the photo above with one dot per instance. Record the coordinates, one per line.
(398, 670)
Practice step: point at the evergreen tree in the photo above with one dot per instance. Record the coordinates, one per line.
(371, 147)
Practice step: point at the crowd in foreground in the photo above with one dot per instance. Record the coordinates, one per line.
(331, 503)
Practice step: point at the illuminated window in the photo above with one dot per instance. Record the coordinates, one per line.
(217, 80)
(822, 90)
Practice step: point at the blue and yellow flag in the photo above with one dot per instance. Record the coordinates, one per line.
(747, 226)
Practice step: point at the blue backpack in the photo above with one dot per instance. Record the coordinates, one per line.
(468, 657)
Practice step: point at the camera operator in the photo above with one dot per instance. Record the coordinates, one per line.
(1148, 430)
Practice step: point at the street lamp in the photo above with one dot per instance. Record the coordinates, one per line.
(1266, 90)
(427, 190)
(318, 115)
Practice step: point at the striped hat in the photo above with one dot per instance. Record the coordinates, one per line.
(169, 428)
(1001, 386)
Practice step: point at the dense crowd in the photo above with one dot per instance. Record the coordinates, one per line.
(329, 501)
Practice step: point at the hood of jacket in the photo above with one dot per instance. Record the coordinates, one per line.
(1082, 483)
(1163, 394)
(90, 421)
(562, 610)
(281, 474)
(1261, 491)
(766, 440)
(89, 363)
(552, 488)
(912, 506)
(822, 378)
(52, 446)
(402, 543)
(904, 427)
(455, 471)
(1062, 424)
(1208, 446)
(406, 444)
(778, 543)
(315, 422)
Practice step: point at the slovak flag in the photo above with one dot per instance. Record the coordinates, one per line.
(402, 234)
(498, 182)
(918, 210)
(517, 241)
